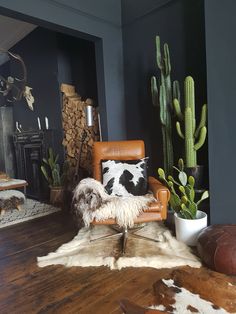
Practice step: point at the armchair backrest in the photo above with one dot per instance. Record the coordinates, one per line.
(117, 150)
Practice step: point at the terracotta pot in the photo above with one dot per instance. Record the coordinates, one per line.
(56, 195)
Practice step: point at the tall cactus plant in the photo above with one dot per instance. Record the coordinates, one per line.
(193, 136)
(162, 97)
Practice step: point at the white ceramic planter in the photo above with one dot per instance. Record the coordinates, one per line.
(187, 230)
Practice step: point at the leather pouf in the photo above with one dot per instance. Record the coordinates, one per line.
(217, 247)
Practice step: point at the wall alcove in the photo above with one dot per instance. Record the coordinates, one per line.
(51, 58)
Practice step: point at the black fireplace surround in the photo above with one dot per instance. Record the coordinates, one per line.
(30, 148)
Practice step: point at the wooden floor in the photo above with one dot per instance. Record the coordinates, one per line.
(26, 288)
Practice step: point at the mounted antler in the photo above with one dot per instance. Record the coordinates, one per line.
(9, 87)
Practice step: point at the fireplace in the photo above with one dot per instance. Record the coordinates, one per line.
(30, 148)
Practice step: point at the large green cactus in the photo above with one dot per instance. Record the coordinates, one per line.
(182, 193)
(163, 99)
(194, 137)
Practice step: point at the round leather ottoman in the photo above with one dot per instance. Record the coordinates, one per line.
(217, 247)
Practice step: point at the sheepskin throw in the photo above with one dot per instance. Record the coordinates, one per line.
(166, 253)
(91, 201)
(10, 199)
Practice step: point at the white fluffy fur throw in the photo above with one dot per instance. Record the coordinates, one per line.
(92, 202)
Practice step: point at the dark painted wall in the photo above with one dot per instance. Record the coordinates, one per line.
(180, 23)
(51, 59)
(101, 22)
(76, 65)
(39, 52)
(220, 26)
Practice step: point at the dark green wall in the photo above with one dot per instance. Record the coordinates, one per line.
(220, 24)
(180, 23)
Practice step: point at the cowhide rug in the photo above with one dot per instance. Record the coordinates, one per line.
(178, 300)
(189, 290)
(166, 253)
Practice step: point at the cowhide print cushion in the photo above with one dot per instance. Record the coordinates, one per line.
(125, 178)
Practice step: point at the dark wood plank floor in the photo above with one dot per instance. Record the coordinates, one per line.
(26, 288)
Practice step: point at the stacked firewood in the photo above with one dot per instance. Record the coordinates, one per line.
(76, 130)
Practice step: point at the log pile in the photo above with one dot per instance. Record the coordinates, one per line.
(76, 130)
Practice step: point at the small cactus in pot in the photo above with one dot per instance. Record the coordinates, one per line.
(52, 173)
(182, 199)
(51, 170)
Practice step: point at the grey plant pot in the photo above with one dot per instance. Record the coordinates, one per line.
(7, 158)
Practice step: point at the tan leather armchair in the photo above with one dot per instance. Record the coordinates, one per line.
(131, 150)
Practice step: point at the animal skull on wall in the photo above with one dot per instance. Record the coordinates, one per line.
(14, 88)
(29, 97)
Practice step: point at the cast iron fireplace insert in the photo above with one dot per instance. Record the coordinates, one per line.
(30, 148)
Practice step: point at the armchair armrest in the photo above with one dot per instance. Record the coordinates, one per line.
(158, 188)
(160, 192)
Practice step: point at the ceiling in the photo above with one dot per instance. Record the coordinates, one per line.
(12, 31)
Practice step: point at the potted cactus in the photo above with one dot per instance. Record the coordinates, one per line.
(189, 220)
(163, 93)
(193, 136)
(51, 172)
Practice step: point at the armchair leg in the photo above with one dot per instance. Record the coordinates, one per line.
(143, 237)
(106, 237)
(124, 234)
(124, 239)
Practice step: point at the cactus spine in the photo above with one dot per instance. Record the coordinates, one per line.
(194, 137)
(163, 99)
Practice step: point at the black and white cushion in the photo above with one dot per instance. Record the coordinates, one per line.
(125, 178)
